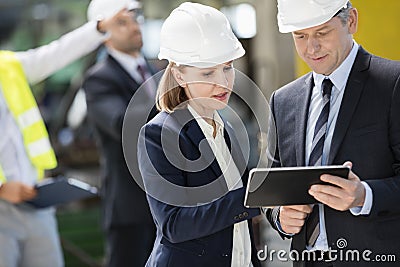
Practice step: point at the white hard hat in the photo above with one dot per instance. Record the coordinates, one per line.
(101, 9)
(294, 15)
(198, 35)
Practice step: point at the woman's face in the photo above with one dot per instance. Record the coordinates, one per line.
(208, 89)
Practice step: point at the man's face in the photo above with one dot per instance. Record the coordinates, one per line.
(126, 35)
(326, 46)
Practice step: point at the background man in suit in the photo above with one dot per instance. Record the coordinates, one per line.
(361, 125)
(109, 86)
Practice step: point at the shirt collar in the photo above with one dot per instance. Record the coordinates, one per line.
(207, 129)
(128, 62)
(339, 76)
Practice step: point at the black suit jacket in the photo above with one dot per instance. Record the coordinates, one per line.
(109, 88)
(367, 132)
(188, 234)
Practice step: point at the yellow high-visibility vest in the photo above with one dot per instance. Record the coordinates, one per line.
(24, 109)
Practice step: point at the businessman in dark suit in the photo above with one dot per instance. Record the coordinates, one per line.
(354, 97)
(109, 86)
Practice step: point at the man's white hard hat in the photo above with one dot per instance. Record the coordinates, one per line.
(103, 9)
(198, 35)
(294, 15)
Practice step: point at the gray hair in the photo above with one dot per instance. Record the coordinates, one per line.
(343, 14)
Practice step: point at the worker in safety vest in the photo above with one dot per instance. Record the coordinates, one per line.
(28, 236)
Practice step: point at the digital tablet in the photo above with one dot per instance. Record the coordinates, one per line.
(60, 190)
(269, 187)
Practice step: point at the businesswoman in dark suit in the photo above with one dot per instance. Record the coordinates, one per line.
(189, 158)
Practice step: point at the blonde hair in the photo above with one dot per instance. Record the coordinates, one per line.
(169, 93)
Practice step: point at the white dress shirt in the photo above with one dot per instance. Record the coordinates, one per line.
(241, 251)
(339, 79)
(38, 64)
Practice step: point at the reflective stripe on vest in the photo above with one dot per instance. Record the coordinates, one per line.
(2, 177)
(23, 107)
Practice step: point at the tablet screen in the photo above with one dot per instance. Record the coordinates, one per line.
(269, 187)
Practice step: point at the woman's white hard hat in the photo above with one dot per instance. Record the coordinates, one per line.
(294, 15)
(198, 35)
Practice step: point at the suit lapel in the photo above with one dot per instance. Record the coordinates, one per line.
(353, 90)
(195, 134)
(123, 76)
(236, 152)
(303, 103)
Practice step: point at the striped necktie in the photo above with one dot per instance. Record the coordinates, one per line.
(312, 225)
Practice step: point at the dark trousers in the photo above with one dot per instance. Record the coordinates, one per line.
(319, 264)
(129, 246)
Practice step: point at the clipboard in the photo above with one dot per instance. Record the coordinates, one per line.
(271, 187)
(60, 190)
